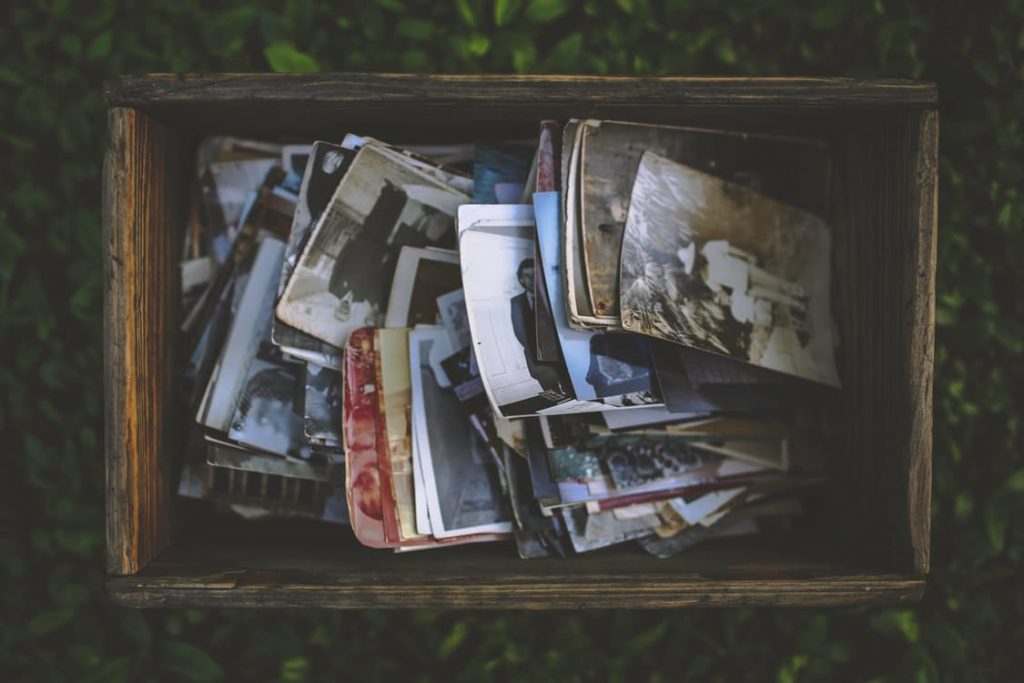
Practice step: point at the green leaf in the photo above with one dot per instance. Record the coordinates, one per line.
(543, 11)
(99, 47)
(284, 57)
(454, 638)
(995, 525)
(897, 623)
(47, 622)
(565, 56)
(295, 670)
(190, 662)
(478, 45)
(466, 11)
(524, 56)
(504, 11)
(1016, 482)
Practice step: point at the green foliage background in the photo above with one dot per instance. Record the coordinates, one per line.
(56, 623)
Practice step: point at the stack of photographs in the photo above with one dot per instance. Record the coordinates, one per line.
(618, 333)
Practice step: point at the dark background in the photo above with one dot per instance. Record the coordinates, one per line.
(56, 623)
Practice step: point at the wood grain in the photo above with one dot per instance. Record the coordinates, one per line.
(768, 570)
(920, 361)
(140, 202)
(470, 107)
(884, 221)
(499, 90)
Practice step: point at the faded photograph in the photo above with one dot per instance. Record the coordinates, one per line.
(421, 276)
(323, 405)
(343, 278)
(462, 476)
(498, 272)
(635, 461)
(328, 165)
(610, 147)
(718, 267)
(268, 416)
(452, 307)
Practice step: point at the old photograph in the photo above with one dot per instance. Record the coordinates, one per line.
(251, 323)
(328, 164)
(609, 148)
(343, 278)
(323, 405)
(421, 276)
(637, 460)
(600, 365)
(718, 267)
(464, 492)
(269, 413)
(395, 456)
(452, 308)
(497, 273)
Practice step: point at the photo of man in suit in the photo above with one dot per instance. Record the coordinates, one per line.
(523, 309)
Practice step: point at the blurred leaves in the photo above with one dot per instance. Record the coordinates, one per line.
(284, 57)
(58, 624)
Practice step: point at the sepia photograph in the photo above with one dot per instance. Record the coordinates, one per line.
(395, 457)
(610, 147)
(343, 278)
(718, 267)
(464, 491)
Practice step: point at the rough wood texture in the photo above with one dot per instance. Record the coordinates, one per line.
(920, 361)
(468, 107)
(779, 570)
(500, 90)
(139, 202)
(884, 222)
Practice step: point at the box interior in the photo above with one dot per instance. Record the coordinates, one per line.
(856, 526)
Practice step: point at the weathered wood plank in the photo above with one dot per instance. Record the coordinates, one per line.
(139, 233)
(587, 594)
(276, 568)
(333, 89)
(919, 363)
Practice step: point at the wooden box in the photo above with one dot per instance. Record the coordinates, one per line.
(866, 539)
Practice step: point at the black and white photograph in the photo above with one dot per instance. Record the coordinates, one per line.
(343, 278)
(452, 308)
(253, 308)
(461, 476)
(497, 276)
(634, 461)
(718, 267)
(269, 413)
(421, 276)
(323, 405)
(295, 157)
(600, 365)
(328, 164)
